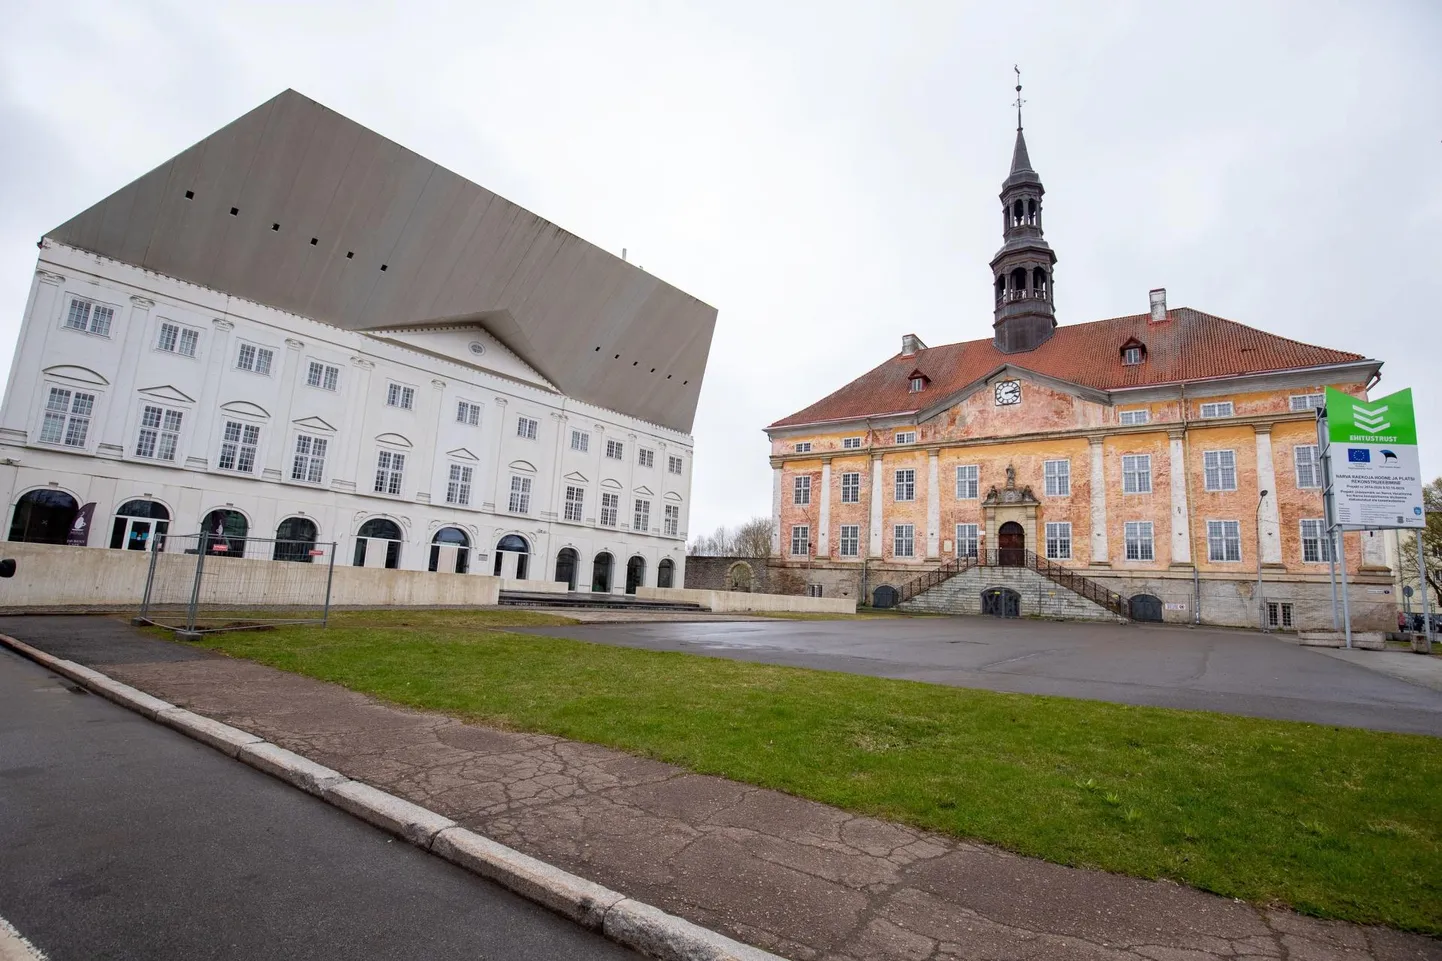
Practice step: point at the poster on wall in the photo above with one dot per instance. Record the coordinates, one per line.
(1376, 474)
(79, 533)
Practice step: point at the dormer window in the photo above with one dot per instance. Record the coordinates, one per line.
(1133, 352)
(919, 381)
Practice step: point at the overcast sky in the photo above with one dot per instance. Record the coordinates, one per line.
(825, 174)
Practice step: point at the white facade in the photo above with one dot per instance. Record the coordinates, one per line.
(200, 401)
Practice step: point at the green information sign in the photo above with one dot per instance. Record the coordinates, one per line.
(1376, 474)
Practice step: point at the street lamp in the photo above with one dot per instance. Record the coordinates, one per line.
(1261, 605)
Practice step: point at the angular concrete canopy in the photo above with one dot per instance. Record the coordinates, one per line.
(296, 207)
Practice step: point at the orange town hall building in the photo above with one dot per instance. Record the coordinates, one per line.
(1126, 457)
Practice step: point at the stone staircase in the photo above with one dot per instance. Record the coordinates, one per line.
(1042, 589)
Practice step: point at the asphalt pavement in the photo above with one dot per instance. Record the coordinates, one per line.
(123, 839)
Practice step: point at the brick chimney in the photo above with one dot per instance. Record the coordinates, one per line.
(1158, 298)
(910, 344)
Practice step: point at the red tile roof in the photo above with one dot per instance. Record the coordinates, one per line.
(1188, 346)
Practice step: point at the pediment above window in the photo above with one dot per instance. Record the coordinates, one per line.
(314, 423)
(577, 477)
(245, 408)
(167, 393)
(611, 485)
(461, 453)
(673, 496)
(524, 466)
(394, 440)
(83, 375)
(644, 490)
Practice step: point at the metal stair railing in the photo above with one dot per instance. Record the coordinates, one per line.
(933, 578)
(1079, 584)
(1016, 557)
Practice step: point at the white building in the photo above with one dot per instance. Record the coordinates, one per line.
(297, 328)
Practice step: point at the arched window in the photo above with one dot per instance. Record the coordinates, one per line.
(635, 573)
(666, 573)
(1001, 288)
(386, 535)
(43, 517)
(451, 551)
(294, 540)
(601, 573)
(566, 563)
(140, 525)
(1038, 282)
(1018, 283)
(226, 530)
(1031, 212)
(513, 544)
(1017, 213)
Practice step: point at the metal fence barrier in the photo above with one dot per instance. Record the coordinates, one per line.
(202, 583)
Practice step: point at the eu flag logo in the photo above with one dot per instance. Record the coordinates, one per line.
(1359, 455)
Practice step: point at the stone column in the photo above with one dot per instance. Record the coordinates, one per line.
(1374, 552)
(1181, 520)
(202, 431)
(1100, 557)
(1267, 481)
(933, 505)
(776, 508)
(112, 439)
(873, 547)
(823, 535)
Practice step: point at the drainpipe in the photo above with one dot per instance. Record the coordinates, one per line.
(1187, 490)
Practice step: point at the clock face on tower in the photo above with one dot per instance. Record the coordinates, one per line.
(1008, 392)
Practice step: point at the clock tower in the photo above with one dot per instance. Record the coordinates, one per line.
(1022, 269)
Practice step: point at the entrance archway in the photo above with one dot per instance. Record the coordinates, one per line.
(885, 596)
(43, 517)
(513, 544)
(1001, 602)
(387, 535)
(140, 525)
(1146, 607)
(1011, 545)
(227, 530)
(446, 538)
(566, 562)
(294, 540)
(666, 573)
(601, 573)
(635, 573)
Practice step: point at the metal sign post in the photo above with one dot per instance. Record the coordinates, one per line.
(1426, 601)
(1324, 458)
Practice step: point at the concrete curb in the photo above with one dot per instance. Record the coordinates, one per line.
(632, 924)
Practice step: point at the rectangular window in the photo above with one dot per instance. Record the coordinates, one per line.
(458, 485)
(390, 468)
(1132, 355)
(1133, 417)
(610, 508)
(254, 359)
(175, 339)
(575, 503)
(1220, 470)
(1058, 478)
(968, 482)
(800, 540)
(851, 443)
(468, 413)
(1224, 540)
(801, 489)
(526, 427)
(1222, 408)
(398, 395)
(641, 517)
(89, 316)
(615, 450)
(1300, 402)
(309, 463)
(237, 447)
(803, 447)
(1316, 543)
(580, 441)
(1140, 546)
(321, 375)
(1279, 614)
(159, 433)
(814, 590)
(674, 465)
(906, 484)
(1309, 468)
(1058, 540)
(850, 540)
(673, 520)
(903, 540)
(520, 502)
(851, 488)
(1136, 473)
(906, 437)
(67, 417)
(645, 457)
(968, 537)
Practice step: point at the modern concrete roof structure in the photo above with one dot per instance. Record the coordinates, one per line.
(296, 207)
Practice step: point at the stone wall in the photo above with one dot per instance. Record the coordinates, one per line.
(753, 574)
(737, 601)
(1040, 596)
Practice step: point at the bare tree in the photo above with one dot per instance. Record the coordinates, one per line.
(1431, 544)
(753, 538)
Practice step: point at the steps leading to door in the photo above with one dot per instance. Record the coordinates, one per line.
(1040, 596)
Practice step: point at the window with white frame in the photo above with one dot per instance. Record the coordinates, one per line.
(1279, 614)
(918, 384)
(174, 338)
(1219, 469)
(255, 359)
(672, 520)
(89, 316)
(1140, 545)
(1309, 468)
(851, 443)
(309, 462)
(803, 447)
(615, 450)
(968, 482)
(906, 484)
(903, 540)
(850, 540)
(1316, 543)
(321, 375)
(526, 427)
(1131, 356)
(399, 395)
(580, 441)
(800, 540)
(801, 489)
(575, 503)
(641, 516)
(1224, 540)
(67, 417)
(159, 432)
(468, 413)
(1058, 540)
(390, 469)
(520, 502)
(906, 437)
(645, 457)
(1057, 474)
(1136, 473)
(674, 465)
(458, 485)
(968, 540)
(237, 447)
(851, 487)
(1300, 402)
(1221, 408)
(610, 509)
(1130, 418)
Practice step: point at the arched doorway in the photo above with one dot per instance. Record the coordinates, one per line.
(566, 563)
(43, 517)
(738, 577)
(666, 573)
(294, 540)
(513, 544)
(1001, 602)
(140, 525)
(227, 530)
(635, 573)
(601, 573)
(378, 544)
(442, 559)
(1011, 545)
(885, 596)
(1145, 607)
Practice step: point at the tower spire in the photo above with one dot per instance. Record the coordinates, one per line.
(1019, 101)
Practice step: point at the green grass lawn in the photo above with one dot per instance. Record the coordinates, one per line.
(1337, 822)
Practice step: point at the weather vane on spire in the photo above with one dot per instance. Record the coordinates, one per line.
(1019, 101)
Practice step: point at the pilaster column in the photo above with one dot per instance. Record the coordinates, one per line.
(113, 436)
(29, 356)
(873, 546)
(933, 505)
(202, 431)
(356, 415)
(823, 536)
(499, 495)
(277, 448)
(1271, 520)
(776, 508)
(1374, 551)
(1181, 519)
(1100, 557)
